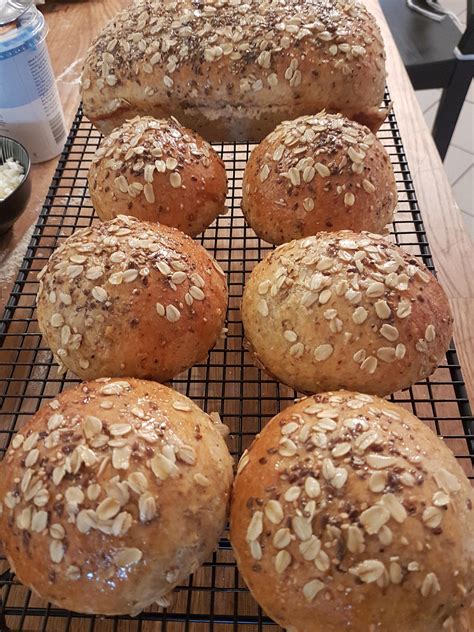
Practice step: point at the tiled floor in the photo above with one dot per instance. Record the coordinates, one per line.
(459, 161)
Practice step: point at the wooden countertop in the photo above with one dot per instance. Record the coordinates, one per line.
(73, 24)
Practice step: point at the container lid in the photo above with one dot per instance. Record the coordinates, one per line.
(11, 10)
(23, 32)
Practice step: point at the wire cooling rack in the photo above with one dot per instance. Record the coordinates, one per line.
(215, 598)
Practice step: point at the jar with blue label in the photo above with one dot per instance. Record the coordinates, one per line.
(30, 109)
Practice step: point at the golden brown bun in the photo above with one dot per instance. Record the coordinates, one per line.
(317, 173)
(158, 171)
(131, 298)
(348, 513)
(112, 494)
(345, 310)
(234, 70)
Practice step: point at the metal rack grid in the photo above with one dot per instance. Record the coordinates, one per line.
(215, 598)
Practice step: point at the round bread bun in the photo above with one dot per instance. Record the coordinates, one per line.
(348, 513)
(345, 310)
(158, 170)
(131, 298)
(318, 173)
(112, 494)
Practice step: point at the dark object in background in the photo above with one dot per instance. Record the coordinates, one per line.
(436, 55)
(14, 204)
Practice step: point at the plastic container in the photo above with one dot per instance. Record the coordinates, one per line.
(30, 109)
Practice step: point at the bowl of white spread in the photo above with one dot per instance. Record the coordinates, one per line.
(15, 183)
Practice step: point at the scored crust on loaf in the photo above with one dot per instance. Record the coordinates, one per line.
(233, 70)
(113, 493)
(317, 173)
(158, 170)
(348, 513)
(345, 310)
(131, 298)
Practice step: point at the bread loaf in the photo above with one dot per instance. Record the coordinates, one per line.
(233, 70)
(131, 298)
(348, 513)
(345, 310)
(158, 170)
(317, 173)
(112, 494)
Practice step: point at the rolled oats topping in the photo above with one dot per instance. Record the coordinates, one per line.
(101, 474)
(345, 306)
(245, 39)
(316, 147)
(126, 259)
(341, 505)
(143, 148)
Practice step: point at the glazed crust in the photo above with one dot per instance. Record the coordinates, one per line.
(318, 173)
(235, 71)
(364, 512)
(345, 310)
(157, 170)
(131, 298)
(123, 492)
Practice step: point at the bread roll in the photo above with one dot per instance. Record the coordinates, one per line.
(112, 494)
(158, 171)
(345, 310)
(234, 70)
(131, 298)
(348, 513)
(316, 173)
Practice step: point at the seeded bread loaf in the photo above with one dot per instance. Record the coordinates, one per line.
(233, 70)
(131, 298)
(158, 170)
(345, 310)
(348, 513)
(112, 494)
(316, 173)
